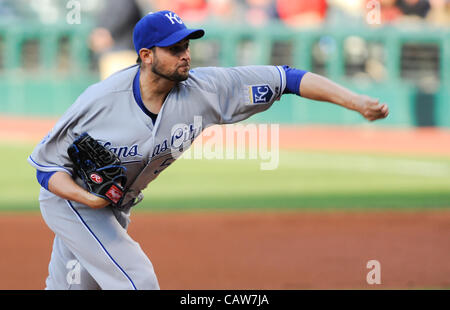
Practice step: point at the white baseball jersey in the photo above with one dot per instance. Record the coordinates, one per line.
(110, 113)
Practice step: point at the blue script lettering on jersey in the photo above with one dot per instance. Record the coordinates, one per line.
(124, 151)
(180, 135)
(261, 94)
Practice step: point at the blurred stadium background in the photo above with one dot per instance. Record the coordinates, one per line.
(395, 50)
(48, 54)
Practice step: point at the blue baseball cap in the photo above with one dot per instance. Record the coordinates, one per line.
(163, 28)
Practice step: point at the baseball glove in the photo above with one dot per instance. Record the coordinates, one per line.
(99, 168)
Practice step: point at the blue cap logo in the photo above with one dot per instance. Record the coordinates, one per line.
(163, 28)
(173, 17)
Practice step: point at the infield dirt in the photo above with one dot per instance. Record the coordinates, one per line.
(271, 250)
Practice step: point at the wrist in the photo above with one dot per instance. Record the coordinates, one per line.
(95, 202)
(354, 102)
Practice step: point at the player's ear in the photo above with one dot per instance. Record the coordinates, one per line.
(146, 56)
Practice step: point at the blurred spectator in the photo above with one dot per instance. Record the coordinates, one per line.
(225, 10)
(349, 7)
(414, 8)
(308, 13)
(192, 10)
(201, 10)
(260, 12)
(112, 40)
(345, 12)
(440, 13)
(6, 10)
(390, 12)
(188, 10)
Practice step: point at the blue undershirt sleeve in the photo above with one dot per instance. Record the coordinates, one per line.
(44, 177)
(293, 79)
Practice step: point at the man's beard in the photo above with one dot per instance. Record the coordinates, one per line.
(175, 76)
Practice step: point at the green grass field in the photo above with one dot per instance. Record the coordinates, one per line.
(308, 180)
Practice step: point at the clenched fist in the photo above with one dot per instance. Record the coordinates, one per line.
(370, 108)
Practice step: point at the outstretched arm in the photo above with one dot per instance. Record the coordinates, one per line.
(319, 88)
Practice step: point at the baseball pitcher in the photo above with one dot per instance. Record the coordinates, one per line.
(119, 136)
